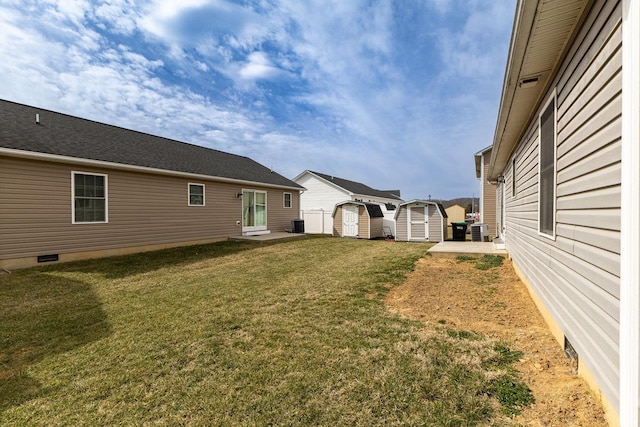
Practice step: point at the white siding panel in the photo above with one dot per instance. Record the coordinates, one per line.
(576, 275)
(605, 177)
(598, 199)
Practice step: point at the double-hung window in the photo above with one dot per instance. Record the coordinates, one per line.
(286, 200)
(547, 169)
(89, 194)
(196, 194)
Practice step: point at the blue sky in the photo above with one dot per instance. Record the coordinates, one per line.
(394, 94)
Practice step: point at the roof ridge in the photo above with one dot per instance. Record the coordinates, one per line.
(122, 128)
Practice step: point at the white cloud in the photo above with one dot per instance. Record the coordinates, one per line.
(258, 66)
(364, 103)
(118, 15)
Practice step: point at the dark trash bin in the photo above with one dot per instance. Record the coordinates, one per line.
(297, 226)
(459, 231)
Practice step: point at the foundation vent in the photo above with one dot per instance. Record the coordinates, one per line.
(48, 258)
(570, 352)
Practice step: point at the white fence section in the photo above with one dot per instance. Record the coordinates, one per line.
(317, 221)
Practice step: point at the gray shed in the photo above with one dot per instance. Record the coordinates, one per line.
(358, 219)
(421, 221)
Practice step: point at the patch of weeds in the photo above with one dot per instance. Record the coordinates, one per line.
(442, 321)
(489, 261)
(464, 335)
(485, 263)
(503, 358)
(512, 394)
(465, 258)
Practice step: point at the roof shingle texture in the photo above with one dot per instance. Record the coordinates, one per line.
(358, 188)
(65, 135)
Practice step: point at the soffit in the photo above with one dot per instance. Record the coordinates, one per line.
(541, 32)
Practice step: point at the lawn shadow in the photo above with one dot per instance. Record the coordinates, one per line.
(118, 267)
(40, 316)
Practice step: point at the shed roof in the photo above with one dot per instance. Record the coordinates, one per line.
(438, 206)
(72, 137)
(357, 187)
(373, 209)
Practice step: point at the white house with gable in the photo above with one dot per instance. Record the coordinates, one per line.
(324, 191)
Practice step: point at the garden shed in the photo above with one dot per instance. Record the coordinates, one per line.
(421, 221)
(358, 219)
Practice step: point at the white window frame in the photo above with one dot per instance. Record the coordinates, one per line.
(551, 101)
(73, 197)
(189, 194)
(254, 228)
(514, 193)
(284, 200)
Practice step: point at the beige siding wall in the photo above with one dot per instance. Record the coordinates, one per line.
(456, 213)
(278, 217)
(577, 275)
(376, 228)
(363, 223)
(435, 224)
(488, 198)
(143, 209)
(337, 222)
(402, 233)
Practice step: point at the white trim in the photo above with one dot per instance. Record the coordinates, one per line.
(32, 155)
(204, 197)
(357, 213)
(514, 178)
(552, 99)
(73, 197)
(482, 180)
(630, 228)
(284, 205)
(425, 208)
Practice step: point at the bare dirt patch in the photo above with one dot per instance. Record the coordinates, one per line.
(494, 302)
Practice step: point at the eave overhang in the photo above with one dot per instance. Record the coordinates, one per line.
(542, 30)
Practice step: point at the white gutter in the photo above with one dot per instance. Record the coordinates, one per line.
(33, 155)
(630, 227)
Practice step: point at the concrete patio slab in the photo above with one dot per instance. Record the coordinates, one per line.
(454, 249)
(267, 237)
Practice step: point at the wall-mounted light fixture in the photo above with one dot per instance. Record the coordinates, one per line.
(500, 179)
(238, 195)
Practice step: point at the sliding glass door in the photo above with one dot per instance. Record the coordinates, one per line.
(254, 211)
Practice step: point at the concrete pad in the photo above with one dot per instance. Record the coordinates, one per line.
(267, 237)
(455, 249)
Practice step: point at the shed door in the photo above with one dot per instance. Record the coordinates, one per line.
(349, 221)
(418, 219)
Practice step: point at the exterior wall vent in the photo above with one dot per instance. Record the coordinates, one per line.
(571, 353)
(48, 258)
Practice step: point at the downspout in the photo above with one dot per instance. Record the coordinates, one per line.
(630, 227)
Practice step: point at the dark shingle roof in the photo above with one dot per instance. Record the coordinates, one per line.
(375, 211)
(69, 136)
(358, 188)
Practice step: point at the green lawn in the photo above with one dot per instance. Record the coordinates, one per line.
(287, 333)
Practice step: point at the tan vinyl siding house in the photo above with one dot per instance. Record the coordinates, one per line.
(488, 205)
(557, 160)
(41, 213)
